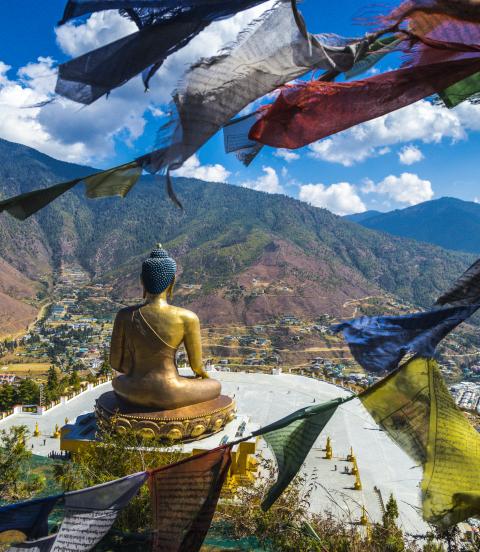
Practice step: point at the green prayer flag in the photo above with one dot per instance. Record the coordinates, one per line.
(461, 91)
(414, 406)
(376, 52)
(291, 439)
(25, 205)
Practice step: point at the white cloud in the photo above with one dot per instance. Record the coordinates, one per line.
(62, 129)
(368, 186)
(408, 188)
(211, 173)
(99, 29)
(409, 155)
(71, 132)
(286, 155)
(268, 182)
(341, 198)
(421, 121)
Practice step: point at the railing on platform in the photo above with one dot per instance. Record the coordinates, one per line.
(40, 410)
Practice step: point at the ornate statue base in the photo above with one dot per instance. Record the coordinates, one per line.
(182, 424)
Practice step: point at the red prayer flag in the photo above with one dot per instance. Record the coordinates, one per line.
(184, 498)
(309, 111)
(428, 10)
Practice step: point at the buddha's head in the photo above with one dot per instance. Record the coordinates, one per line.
(158, 273)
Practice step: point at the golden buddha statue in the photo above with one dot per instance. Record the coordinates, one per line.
(144, 343)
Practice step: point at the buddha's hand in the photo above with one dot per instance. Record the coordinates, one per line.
(202, 374)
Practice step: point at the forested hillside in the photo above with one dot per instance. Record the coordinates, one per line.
(243, 255)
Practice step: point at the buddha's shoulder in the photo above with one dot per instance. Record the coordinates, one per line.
(127, 312)
(185, 315)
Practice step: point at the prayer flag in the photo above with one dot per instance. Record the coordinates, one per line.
(309, 111)
(428, 13)
(400, 404)
(31, 517)
(166, 9)
(90, 513)
(87, 78)
(466, 290)
(235, 137)
(24, 205)
(184, 498)
(291, 439)
(112, 182)
(415, 408)
(461, 91)
(164, 28)
(378, 343)
(377, 51)
(40, 545)
(273, 50)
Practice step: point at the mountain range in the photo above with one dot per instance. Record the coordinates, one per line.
(244, 256)
(448, 222)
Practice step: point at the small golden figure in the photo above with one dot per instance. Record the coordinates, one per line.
(329, 450)
(363, 517)
(358, 482)
(36, 431)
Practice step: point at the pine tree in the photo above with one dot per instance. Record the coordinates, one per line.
(52, 379)
(15, 480)
(74, 380)
(7, 396)
(391, 513)
(28, 392)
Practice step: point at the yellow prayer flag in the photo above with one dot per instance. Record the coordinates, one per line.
(113, 182)
(400, 403)
(451, 479)
(416, 409)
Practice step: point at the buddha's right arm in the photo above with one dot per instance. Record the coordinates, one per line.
(193, 344)
(117, 345)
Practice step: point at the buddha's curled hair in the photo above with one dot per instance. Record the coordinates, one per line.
(158, 271)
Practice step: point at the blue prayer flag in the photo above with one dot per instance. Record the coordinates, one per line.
(165, 26)
(162, 8)
(90, 513)
(378, 343)
(40, 545)
(29, 517)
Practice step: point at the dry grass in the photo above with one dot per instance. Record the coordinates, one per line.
(36, 368)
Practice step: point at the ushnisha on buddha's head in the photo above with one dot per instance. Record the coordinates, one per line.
(158, 273)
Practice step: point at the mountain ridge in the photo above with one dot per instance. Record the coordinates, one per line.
(244, 256)
(448, 222)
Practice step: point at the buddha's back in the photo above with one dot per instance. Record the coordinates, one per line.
(145, 339)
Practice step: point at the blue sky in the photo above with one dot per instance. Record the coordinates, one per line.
(418, 153)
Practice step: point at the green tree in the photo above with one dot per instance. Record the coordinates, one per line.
(388, 534)
(391, 513)
(27, 392)
(52, 380)
(74, 380)
(16, 481)
(105, 368)
(7, 396)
